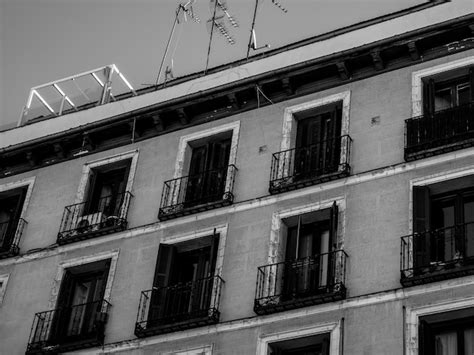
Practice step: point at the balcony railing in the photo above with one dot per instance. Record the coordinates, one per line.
(196, 193)
(441, 132)
(437, 254)
(301, 282)
(69, 328)
(300, 167)
(10, 235)
(177, 307)
(91, 218)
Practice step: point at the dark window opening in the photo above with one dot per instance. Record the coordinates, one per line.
(106, 188)
(312, 345)
(448, 90)
(184, 281)
(81, 312)
(448, 333)
(207, 171)
(308, 258)
(11, 205)
(442, 243)
(318, 141)
(80, 301)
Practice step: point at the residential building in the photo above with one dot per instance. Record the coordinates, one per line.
(316, 199)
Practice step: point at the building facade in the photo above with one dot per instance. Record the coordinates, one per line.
(317, 199)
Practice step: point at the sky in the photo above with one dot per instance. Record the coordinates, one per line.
(46, 40)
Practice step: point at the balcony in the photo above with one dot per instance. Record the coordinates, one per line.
(90, 218)
(197, 193)
(300, 167)
(178, 307)
(437, 255)
(69, 328)
(10, 235)
(444, 131)
(300, 283)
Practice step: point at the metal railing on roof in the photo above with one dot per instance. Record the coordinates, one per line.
(91, 88)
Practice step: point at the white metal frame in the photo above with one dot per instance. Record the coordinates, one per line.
(106, 94)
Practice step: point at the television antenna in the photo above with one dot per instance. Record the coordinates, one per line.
(183, 11)
(253, 36)
(221, 19)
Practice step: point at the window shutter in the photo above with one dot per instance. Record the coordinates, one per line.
(425, 339)
(421, 224)
(471, 82)
(213, 257)
(160, 297)
(428, 97)
(334, 212)
(164, 263)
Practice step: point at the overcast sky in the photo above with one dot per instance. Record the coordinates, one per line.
(45, 40)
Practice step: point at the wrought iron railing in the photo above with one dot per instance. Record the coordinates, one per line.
(180, 306)
(195, 193)
(69, 328)
(439, 132)
(313, 164)
(10, 235)
(301, 282)
(93, 217)
(437, 254)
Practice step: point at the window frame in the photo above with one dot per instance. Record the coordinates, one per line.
(413, 315)
(418, 78)
(334, 329)
(64, 265)
(183, 157)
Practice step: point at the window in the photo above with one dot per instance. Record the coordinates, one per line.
(313, 268)
(81, 311)
(312, 345)
(444, 121)
(315, 145)
(204, 173)
(448, 90)
(207, 171)
(448, 333)
(11, 223)
(186, 288)
(318, 145)
(104, 207)
(443, 226)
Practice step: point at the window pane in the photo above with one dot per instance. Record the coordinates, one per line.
(469, 219)
(443, 99)
(469, 341)
(446, 344)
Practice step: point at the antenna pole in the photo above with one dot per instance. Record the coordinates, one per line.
(210, 37)
(251, 30)
(178, 10)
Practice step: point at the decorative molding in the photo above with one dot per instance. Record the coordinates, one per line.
(417, 81)
(201, 350)
(86, 169)
(333, 328)
(112, 255)
(414, 313)
(276, 233)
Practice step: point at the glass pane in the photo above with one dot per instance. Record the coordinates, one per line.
(469, 341)
(443, 99)
(446, 344)
(469, 220)
(463, 94)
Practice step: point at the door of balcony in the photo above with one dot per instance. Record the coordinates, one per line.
(11, 205)
(183, 282)
(318, 143)
(207, 172)
(79, 302)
